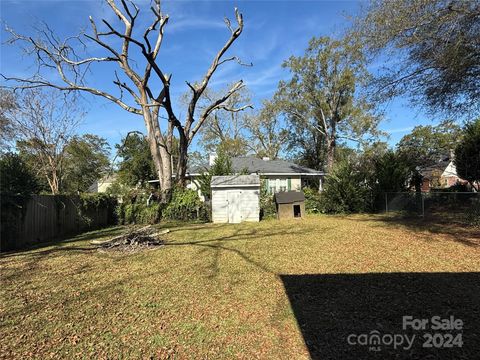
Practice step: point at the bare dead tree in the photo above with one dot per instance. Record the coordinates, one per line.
(61, 55)
(44, 122)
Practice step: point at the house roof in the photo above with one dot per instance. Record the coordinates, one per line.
(251, 164)
(235, 181)
(286, 197)
(439, 167)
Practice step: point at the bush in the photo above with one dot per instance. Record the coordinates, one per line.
(16, 178)
(185, 205)
(345, 190)
(473, 215)
(313, 201)
(91, 203)
(134, 209)
(267, 203)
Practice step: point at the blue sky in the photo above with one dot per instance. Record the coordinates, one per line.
(274, 30)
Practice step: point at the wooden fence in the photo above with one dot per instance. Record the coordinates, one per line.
(43, 218)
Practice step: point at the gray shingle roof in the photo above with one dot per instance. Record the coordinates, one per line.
(235, 180)
(252, 164)
(286, 197)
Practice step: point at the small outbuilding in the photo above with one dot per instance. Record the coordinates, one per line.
(290, 204)
(235, 198)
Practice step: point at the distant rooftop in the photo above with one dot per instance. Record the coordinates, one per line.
(251, 165)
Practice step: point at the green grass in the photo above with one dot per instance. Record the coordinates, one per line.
(214, 291)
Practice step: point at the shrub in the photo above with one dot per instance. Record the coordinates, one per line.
(89, 205)
(16, 178)
(185, 205)
(472, 217)
(313, 201)
(134, 209)
(267, 203)
(345, 190)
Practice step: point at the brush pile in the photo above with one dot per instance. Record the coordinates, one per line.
(133, 239)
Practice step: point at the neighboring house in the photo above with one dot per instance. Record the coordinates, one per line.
(277, 175)
(442, 174)
(101, 185)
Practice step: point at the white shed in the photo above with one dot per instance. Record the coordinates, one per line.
(235, 198)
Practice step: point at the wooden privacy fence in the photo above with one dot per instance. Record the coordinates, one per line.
(42, 218)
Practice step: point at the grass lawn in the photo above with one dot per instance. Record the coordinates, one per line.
(276, 290)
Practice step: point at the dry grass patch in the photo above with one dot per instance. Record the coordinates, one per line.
(213, 291)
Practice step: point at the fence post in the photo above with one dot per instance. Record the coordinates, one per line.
(423, 204)
(386, 203)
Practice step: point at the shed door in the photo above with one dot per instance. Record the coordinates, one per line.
(234, 209)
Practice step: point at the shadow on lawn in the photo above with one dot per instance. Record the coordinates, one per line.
(64, 244)
(330, 307)
(437, 225)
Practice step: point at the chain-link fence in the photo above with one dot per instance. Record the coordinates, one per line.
(447, 205)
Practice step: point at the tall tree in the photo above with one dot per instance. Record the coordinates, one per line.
(7, 106)
(322, 100)
(267, 133)
(136, 166)
(86, 160)
(432, 48)
(139, 76)
(467, 155)
(425, 145)
(44, 122)
(223, 131)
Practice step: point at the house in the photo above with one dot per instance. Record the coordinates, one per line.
(277, 175)
(235, 198)
(101, 185)
(441, 174)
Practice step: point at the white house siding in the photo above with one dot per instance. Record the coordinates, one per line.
(248, 204)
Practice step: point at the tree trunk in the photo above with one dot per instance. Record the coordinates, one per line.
(182, 160)
(160, 155)
(331, 144)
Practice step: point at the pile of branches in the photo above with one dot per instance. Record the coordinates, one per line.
(133, 239)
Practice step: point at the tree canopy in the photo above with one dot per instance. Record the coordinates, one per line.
(425, 145)
(432, 47)
(322, 100)
(467, 155)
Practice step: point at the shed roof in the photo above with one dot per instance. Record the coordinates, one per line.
(286, 197)
(235, 181)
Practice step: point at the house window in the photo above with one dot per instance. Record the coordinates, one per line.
(282, 184)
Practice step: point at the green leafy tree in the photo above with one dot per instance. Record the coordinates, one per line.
(433, 50)
(425, 145)
(86, 160)
(16, 177)
(221, 166)
(7, 106)
(322, 101)
(467, 155)
(136, 166)
(346, 189)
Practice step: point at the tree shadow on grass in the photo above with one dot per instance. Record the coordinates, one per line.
(64, 244)
(330, 307)
(435, 225)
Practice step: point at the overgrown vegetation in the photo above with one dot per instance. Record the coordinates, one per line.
(185, 205)
(267, 203)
